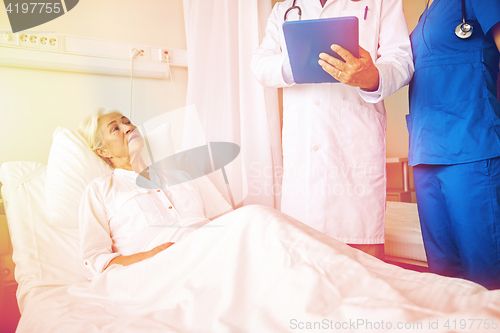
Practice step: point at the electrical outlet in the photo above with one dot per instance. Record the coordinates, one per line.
(165, 56)
(158, 54)
(29, 39)
(143, 54)
(49, 41)
(7, 37)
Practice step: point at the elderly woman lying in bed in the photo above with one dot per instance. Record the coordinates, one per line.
(122, 213)
(251, 270)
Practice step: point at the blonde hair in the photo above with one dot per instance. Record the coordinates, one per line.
(89, 129)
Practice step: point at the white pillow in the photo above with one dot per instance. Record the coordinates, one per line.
(46, 257)
(11, 172)
(71, 166)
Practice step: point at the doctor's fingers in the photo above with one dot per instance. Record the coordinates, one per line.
(343, 53)
(339, 64)
(363, 74)
(344, 72)
(332, 70)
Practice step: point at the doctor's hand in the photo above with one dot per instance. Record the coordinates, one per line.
(355, 72)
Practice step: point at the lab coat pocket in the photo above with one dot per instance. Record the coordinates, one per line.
(367, 28)
(362, 138)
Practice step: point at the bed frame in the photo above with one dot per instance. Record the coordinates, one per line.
(403, 238)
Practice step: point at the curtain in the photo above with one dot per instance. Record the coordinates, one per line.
(231, 105)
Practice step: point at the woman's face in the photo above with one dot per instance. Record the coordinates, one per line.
(121, 139)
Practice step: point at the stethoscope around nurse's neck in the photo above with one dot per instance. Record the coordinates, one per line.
(464, 29)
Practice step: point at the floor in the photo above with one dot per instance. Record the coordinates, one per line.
(9, 311)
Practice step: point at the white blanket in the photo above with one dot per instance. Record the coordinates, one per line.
(257, 270)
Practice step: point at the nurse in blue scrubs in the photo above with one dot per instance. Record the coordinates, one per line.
(454, 126)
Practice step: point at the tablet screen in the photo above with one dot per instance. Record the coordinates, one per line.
(306, 39)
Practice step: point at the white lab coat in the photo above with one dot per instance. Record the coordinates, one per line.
(333, 134)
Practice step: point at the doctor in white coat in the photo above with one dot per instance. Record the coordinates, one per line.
(334, 133)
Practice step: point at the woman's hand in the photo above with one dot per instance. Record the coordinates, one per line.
(159, 248)
(133, 258)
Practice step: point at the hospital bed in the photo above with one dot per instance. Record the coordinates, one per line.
(226, 285)
(403, 237)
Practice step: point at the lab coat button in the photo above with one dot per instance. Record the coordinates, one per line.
(317, 103)
(169, 207)
(315, 148)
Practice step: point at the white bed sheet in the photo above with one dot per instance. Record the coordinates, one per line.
(403, 236)
(46, 257)
(257, 271)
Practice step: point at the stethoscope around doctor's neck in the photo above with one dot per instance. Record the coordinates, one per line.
(293, 6)
(464, 29)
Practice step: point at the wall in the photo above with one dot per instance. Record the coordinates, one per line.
(397, 108)
(397, 104)
(34, 102)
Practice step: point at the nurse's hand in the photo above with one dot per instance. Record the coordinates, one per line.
(357, 72)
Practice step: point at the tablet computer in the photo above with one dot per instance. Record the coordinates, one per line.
(306, 39)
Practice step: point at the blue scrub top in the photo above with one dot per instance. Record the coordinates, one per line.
(454, 113)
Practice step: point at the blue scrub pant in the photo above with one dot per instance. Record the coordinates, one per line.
(459, 209)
